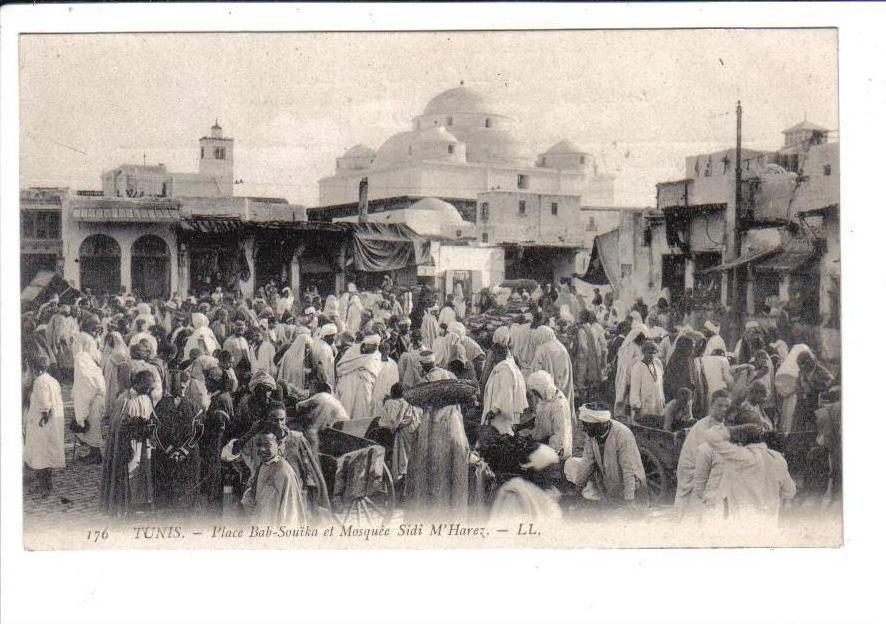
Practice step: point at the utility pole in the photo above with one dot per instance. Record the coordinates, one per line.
(737, 219)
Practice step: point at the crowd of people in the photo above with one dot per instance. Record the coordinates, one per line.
(219, 402)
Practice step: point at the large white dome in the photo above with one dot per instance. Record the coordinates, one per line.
(458, 100)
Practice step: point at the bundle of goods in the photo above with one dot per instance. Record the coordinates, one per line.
(482, 326)
(443, 392)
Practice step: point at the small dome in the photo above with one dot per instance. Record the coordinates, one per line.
(395, 149)
(359, 151)
(458, 100)
(441, 209)
(565, 146)
(436, 134)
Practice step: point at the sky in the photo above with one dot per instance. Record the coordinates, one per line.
(640, 101)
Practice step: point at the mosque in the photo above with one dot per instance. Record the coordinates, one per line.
(459, 147)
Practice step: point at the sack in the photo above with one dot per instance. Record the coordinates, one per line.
(442, 392)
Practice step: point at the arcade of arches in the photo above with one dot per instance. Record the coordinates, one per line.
(100, 266)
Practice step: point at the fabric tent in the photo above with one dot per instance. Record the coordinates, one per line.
(387, 247)
(44, 285)
(604, 267)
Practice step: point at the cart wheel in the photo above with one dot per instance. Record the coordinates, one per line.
(379, 507)
(656, 479)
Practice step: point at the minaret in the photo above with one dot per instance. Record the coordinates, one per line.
(217, 159)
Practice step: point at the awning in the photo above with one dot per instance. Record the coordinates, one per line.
(43, 286)
(388, 247)
(122, 214)
(209, 225)
(604, 266)
(785, 261)
(751, 257)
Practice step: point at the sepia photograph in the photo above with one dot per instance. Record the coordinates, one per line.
(430, 289)
(432, 312)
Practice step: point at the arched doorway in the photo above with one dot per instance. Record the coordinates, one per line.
(100, 265)
(150, 267)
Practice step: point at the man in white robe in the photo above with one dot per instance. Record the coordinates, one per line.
(88, 394)
(430, 328)
(688, 453)
(353, 311)
(410, 364)
(505, 389)
(44, 426)
(323, 356)
(388, 375)
(755, 482)
(261, 353)
(647, 384)
(291, 368)
(551, 356)
(356, 374)
(202, 337)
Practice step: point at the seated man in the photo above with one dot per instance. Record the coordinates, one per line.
(610, 468)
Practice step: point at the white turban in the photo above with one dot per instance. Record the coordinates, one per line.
(588, 415)
(310, 310)
(709, 325)
(329, 329)
(752, 325)
(352, 288)
(427, 357)
(502, 336)
(372, 339)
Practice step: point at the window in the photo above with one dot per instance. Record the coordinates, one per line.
(592, 225)
(581, 160)
(219, 153)
(488, 123)
(647, 237)
(409, 149)
(541, 161)
(827, 170)
(202, 153)
(42, 225)
(522, 181)
(484, 211)
(451, 149)
(449, 121)
(485, 237)
(554, 208)
(521, 207)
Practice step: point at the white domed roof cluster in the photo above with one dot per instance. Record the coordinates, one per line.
(472, 131)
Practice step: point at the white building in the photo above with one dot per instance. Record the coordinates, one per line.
(458, 147)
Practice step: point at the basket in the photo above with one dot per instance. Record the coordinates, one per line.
(442, 392)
